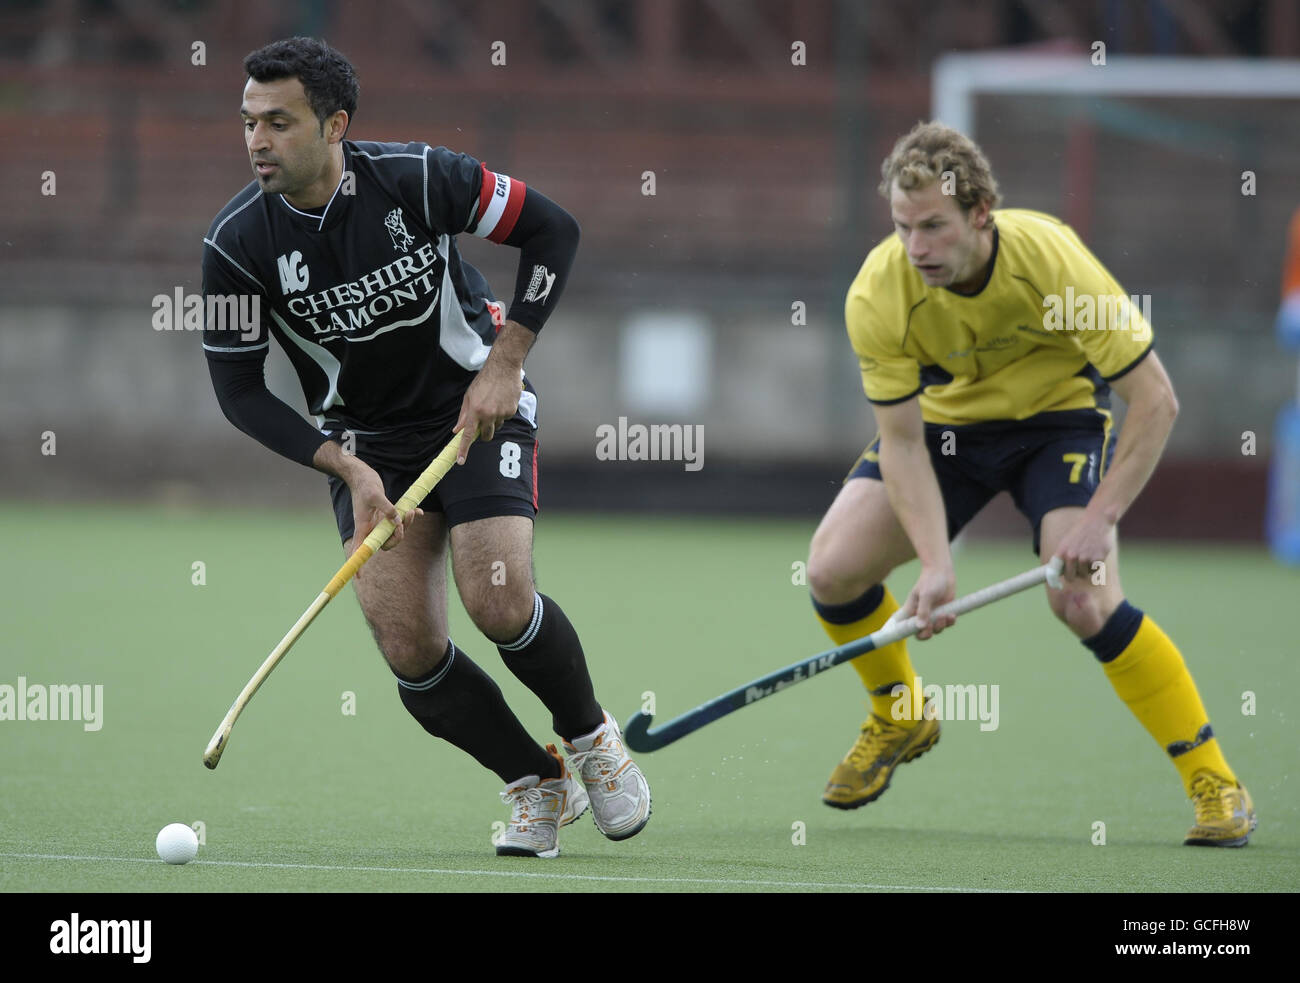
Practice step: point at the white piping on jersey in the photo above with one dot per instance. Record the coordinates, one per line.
(322, 214)
(362, 153)
(233, 263)
(457, 338)
(323, 358)
(217, 231)
(423, 156)
(246, 348)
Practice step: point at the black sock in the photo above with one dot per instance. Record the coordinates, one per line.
(548, 659)
(458, 702)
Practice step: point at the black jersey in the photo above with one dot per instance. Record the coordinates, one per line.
(383, 321)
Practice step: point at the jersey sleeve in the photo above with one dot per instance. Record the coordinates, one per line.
(235, 343)
(453, 192)
(1116, 334)
(889, 375)
(462, 194)
(503, 209)
(234, 324)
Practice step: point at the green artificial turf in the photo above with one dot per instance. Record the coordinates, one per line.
(308, 798)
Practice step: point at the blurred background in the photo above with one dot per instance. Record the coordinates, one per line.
(717, 299)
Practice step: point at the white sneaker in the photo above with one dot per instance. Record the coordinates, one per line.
(620, 795)
(538, 810)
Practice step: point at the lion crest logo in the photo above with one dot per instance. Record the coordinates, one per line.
(397, 230)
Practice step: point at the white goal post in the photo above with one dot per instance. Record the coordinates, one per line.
(959, 78)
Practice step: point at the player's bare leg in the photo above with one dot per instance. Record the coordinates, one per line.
(858, 543)
(1086, 603)
(403, 595)
(1150, 676)
(492, 562)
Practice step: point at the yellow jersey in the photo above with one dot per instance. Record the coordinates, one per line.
(1046, 331)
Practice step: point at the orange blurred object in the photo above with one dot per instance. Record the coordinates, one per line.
(1291, 268)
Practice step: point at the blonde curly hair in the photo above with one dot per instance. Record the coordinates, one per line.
(927, 152)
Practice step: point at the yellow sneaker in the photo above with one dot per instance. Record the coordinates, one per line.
(882, 746)
(1225, 816)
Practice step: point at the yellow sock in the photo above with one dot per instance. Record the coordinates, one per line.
(1151, 678)
(881, 669)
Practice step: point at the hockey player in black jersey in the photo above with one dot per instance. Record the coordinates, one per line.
(349, 249)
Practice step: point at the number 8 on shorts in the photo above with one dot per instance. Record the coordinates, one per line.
(510, 459)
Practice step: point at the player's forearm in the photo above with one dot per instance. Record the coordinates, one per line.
(241, 393)
(1147, 426)
(510, 347)
(331, 459)
(915, 498)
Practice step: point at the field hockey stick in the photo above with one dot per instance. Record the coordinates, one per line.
(640, 737)
(416, 494)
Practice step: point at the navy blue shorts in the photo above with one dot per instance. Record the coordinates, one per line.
(1046, 462)
(499, 476)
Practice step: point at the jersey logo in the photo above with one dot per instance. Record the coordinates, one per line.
(1028, 330)
(535, 292)
(293, 272)
(992, 345)
(397, 230)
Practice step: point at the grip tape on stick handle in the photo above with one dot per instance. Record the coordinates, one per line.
(414, 495)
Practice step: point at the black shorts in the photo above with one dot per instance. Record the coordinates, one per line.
(499, 476)
(1046, 462)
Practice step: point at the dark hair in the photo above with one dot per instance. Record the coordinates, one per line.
(327, 77)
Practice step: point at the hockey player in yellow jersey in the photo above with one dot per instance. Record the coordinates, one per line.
(989, 342)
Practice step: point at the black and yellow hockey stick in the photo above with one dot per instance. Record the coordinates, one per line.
(641, 737)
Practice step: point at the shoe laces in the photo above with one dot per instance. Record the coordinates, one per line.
(519, 799)
(606, 756)
(1211, 803)
(875, 738)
